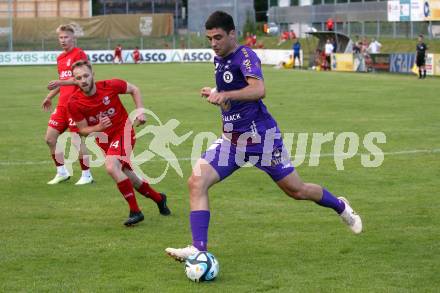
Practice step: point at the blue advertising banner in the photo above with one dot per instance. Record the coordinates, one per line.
(402, 63)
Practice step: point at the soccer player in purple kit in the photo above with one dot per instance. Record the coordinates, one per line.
(250, 134)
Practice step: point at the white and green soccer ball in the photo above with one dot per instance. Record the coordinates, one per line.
(201, 267)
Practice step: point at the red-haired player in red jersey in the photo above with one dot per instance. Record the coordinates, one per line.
(60, 119)
(96, 108)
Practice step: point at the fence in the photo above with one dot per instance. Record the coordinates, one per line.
(189, 41)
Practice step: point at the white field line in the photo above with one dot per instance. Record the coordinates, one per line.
(396, 153)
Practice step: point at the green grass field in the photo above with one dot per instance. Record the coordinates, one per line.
(71, 239)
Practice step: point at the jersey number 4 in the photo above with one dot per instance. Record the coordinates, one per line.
(115, 144)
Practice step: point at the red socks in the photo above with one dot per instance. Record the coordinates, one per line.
(60, 162)
(126, 188)
(146, 190)
(84, 162)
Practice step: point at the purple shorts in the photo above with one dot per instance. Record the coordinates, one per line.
(226, 157)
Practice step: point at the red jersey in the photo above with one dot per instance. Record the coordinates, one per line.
(136, 55)
(118, 51)
(104, 102)
(64, 63)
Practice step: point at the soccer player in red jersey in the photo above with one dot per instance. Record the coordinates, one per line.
(96, 108)
(118, 54)
(136, 55)
(60, 119)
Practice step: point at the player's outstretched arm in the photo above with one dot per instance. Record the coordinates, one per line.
(53, 84)
(47, 102)
(137, 99)
(254, 91)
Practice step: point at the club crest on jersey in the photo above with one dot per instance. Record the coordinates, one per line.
(68, 62)
(276, 157)
(106, 100)
(228, 77)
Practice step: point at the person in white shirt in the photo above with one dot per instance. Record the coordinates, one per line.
(328, 49)
(374, 47)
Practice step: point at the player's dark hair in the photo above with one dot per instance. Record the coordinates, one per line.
(80, 63)
(220, 19)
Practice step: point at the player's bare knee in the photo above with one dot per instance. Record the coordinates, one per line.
(51, 141)
(195, 183)
(298, 193)
(110, 167)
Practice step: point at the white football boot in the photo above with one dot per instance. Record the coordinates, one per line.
(350, 217)
(84, 180)
(181, 254)
(59, 178)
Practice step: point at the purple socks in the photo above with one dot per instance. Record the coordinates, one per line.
(330, 201)
(199, 227)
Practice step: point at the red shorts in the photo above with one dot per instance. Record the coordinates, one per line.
(116, 146)
(61, 120)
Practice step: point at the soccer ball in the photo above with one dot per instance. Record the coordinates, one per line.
(202, 266)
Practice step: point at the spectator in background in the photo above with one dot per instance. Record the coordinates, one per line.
(328, 50)
(283, 37)
(421, 57)
(254, 40)
(118, 54)
(250, 40)
(136, 55)
(374, 47)
(330, 24)
(296, 53)
(356, 47)
(317, 60)
(292, 35)
(364, 46)
(335, 45)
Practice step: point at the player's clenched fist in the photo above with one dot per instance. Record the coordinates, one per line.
(206, 91)
(140, 119)
(104, 122)
(217, 98)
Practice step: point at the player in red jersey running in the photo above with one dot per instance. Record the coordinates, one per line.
(96, 108)
(118, 54)
(60, 119)
(136, 55)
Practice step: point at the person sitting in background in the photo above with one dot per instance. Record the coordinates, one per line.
(283, 37)
(292, 35)
(250, 40)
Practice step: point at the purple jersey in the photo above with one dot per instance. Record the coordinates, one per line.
(230, 74)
